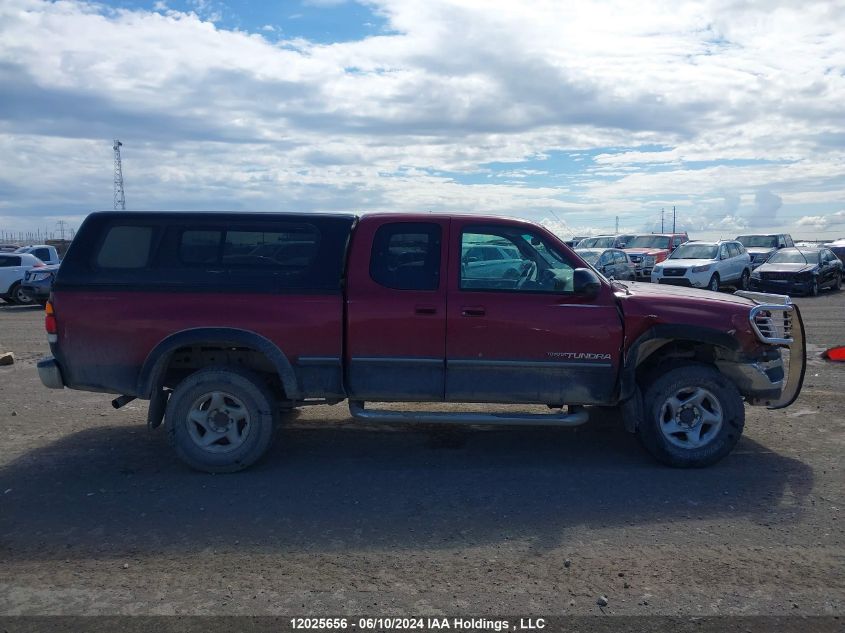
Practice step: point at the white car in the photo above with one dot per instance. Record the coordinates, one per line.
(13, 267)
(705, 265)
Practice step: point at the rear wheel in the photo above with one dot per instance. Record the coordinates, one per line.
(692, 416)
(714, 283)
(220, 419)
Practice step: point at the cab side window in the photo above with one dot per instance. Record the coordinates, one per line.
(534, 266)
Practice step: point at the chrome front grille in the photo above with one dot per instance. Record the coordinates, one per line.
(771, 318)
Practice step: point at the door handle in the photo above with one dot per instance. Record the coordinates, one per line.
(425, 310)
(473, 311)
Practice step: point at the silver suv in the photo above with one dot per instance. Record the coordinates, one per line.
(705, 265)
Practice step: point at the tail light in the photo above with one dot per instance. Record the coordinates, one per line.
(50, 322)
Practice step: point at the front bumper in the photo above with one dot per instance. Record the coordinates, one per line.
(787, 286)
(50, 373)
(777, 322)
(37, 291)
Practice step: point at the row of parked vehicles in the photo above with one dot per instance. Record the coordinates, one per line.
(758, 262)
(26, 272)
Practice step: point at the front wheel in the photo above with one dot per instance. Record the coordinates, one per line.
(21, 295)
(837, 281)
(692, 416)
(814, 288)
(220, 419)
(744, 279)
(714, 283)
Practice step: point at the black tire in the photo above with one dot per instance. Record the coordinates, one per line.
(247, 393)
(713, 284)
(814, 288)
(19, 295)
(744, 280)
(837, 282)
(722, 395)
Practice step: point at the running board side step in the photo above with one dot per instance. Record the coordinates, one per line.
(576, 416)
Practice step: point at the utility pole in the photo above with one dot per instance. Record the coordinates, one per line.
(673, 218)
(661, 220)
(119, 196)
(61, 225)
(617, 225)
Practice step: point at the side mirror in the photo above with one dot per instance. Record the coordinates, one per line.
(586, 282)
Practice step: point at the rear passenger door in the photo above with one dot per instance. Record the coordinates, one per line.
(396, 311)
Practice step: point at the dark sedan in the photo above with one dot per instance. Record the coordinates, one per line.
(611, 262)
(799, 271)
(39, 281)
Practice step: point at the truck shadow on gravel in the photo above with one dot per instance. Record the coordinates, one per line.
(119, 491)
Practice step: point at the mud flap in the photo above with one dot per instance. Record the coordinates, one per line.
(797, 363)
(158, 404)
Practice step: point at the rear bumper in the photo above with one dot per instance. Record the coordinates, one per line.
(50, 373)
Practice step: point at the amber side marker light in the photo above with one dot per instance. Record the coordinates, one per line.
(835, 353)
(50, 318)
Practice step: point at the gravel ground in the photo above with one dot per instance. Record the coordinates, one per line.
(98, 517)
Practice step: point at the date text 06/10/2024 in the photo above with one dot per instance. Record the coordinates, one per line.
(466, 625)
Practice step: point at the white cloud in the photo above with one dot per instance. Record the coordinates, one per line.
(729, 110)
(822, 222)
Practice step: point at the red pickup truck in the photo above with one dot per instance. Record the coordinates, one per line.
(226, 320)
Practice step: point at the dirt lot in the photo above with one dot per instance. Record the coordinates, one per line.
(98, 517)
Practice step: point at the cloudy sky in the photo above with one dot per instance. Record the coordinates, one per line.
(570, 113)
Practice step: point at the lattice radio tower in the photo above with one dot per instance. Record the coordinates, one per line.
(119, 196)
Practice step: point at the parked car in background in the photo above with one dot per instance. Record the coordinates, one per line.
(761, 246)
(8, 248)
(47, 254)
(38, 282)
(605, 241)
(13, 268)
(491, 259)
(705, 265)
(613, 263)
(838, 248)
(649, 249)
(799, 271)
(573, 242)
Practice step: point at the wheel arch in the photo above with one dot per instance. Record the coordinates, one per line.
(665, 341)
(155, 366)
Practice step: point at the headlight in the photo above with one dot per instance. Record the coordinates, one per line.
(756, 275)
(649, 260)
(658, 269)
(701, 269)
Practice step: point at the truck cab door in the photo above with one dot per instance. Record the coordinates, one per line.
(396, 310)
(519, 333)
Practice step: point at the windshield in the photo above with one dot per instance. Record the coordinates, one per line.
(589, 256)
(648, 241)
(596, 242)
(695, 251)
(757, 241)
(788, 256)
